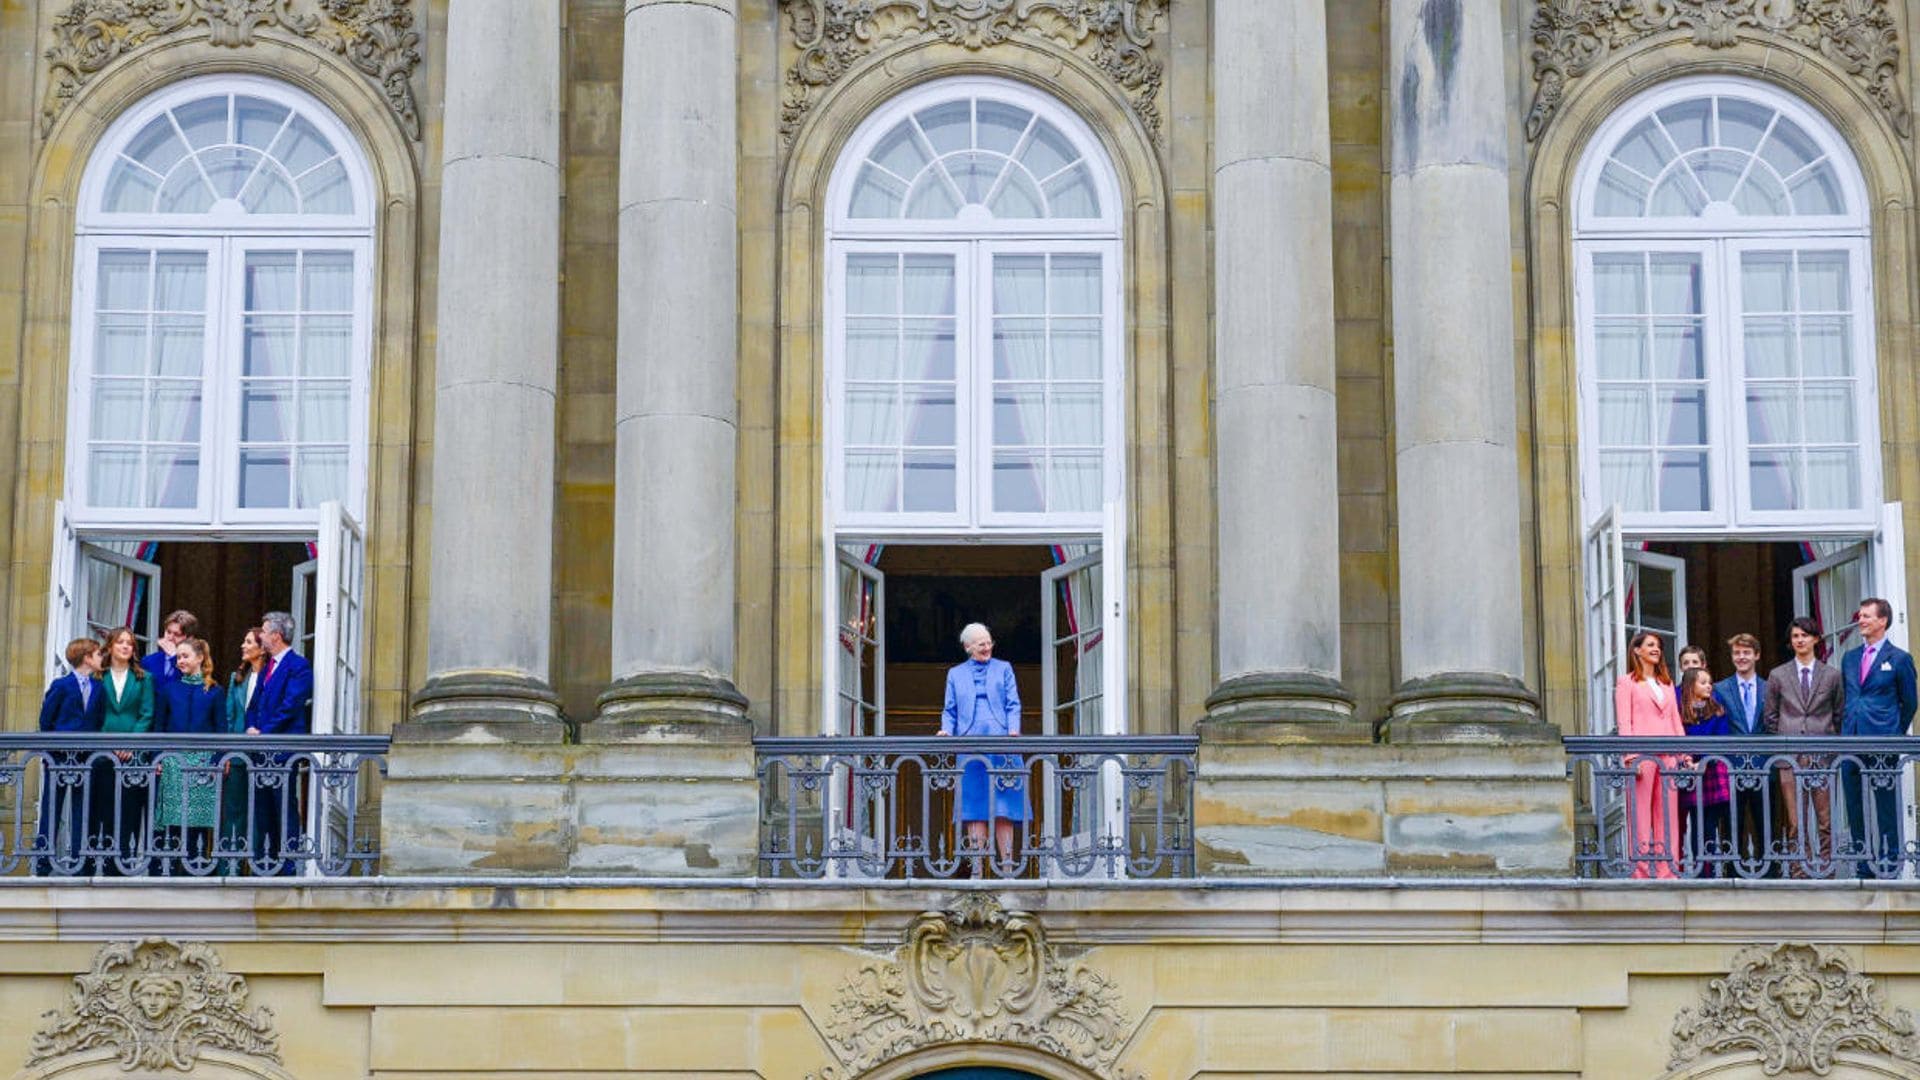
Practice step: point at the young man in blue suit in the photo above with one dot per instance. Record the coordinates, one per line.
(75, 702)
(1744, 695)
(282, 705)
(1879, 680)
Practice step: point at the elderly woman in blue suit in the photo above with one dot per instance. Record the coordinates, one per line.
(982, 700)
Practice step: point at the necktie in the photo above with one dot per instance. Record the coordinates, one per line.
(86, 692)
(1746, 700)
(267, 671)
(1806, 682)
(1866, 661)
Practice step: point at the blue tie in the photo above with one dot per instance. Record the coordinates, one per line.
(1746, 700)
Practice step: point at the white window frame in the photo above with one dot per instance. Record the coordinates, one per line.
(227, 238)
(1720, 240)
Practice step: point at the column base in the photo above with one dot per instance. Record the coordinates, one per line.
(1300, 810)
(1470, 708)
(1283, 707)
(658, 704)
(484, 707)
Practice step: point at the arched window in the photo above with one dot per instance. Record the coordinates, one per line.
(1726, 349)
(974, 370)
(220, 329)
(975, 315)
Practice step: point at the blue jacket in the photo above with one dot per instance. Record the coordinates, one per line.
(61, 709)
(1883, 705)
(1727, 692)
(283, 705)
(180, 709)
(160, 666)
(1003, 701)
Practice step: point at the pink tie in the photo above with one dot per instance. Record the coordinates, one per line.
(266, 672)
(1866, 661)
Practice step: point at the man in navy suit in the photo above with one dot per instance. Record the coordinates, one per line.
(1744, 695)
(282, 705)
(1879, 680)
(75, 702)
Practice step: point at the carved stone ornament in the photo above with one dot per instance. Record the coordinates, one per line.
(378, 37)
(977, 973)
(1861, 37)
(158, 1005)
(834, 35)
(1795, 1006)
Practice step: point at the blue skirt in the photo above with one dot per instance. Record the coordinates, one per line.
(985, 793)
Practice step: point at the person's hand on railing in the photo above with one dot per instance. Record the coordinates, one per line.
(123, 755)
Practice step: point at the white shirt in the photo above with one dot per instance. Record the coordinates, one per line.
(119, 681)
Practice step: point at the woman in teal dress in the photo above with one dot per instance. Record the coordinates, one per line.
(234, 794)
(130, 704)
(189, 799)
(981, 700)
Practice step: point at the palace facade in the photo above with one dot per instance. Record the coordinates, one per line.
(630, 401)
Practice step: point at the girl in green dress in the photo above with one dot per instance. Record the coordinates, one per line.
(189, 799)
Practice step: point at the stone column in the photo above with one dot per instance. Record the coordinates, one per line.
(1461, 627)
(491, 591)
(1274, 443)
(673, 573)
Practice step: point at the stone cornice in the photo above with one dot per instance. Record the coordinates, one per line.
(834, 36)
(379, 38)
(1570, 38)
(1237, 913)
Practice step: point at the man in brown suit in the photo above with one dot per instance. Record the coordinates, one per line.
(1804, 697)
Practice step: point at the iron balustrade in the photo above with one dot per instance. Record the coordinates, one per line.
(1796, 806)
(1088, 807)
(145, 805)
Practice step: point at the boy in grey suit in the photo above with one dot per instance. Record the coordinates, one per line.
(1804, 697)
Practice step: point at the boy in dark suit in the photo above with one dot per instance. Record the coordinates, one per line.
(74, 702)
(1879, 679)
(1744, 695)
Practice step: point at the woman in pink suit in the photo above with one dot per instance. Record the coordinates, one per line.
(1643, 705)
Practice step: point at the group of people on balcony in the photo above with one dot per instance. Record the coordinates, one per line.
(1705, 814)
(106, 810)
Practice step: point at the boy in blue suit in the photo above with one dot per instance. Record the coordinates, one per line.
(1744, 695)
(1879, 680)
(74, 702)
(282, 705)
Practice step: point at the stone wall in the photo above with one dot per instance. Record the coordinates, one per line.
(1173, 984)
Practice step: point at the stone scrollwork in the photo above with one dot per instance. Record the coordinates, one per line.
(1795, 1006)
(379, 38)
(832, 36)
(1571, 37)
(977, 973)
(157, 1005)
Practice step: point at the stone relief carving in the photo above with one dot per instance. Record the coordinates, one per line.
(834, 35)
(1861, 37)
(378, 37)
(1795, 1006)
(157, 1005)
(977, 973)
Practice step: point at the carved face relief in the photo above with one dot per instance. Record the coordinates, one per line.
(1794, 1007)
(156, 995)
(1797, 994)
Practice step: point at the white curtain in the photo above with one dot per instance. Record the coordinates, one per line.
(109, 588)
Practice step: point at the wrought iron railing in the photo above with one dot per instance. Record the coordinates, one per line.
(1745, 807)
(189, 805)
(930, 807)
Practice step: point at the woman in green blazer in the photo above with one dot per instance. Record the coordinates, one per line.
(234, 793)
(129, 693)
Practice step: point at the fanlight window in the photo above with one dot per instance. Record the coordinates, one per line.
(974, 157)
(1717, 153)
(232, 149)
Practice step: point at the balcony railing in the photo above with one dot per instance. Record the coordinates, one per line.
(189, 805)
(948, 808)
(1744, 807)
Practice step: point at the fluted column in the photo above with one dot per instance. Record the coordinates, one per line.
(1274, 449)
(1461, 626)
(673, 573)
(491, 590)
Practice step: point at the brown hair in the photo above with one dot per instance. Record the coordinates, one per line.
(113, 638)
(244, 669)
(205, 653)
(188, 623)
(1659, 672)
(79, 649)
(1714, 708)
(1744, 641)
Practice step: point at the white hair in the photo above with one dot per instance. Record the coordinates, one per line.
(972, 632)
